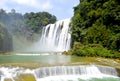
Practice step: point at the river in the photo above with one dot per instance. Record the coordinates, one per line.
(58, 67)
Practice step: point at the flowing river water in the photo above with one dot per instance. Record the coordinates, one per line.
(57, 67)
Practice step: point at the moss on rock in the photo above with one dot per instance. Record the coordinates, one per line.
(25, 77)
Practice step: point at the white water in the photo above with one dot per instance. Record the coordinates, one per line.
(61, 73)
(34, 54)
(90, 71)
(54, 37)
(75, 77)
(74, 73)
(38, 54)
(6, 72)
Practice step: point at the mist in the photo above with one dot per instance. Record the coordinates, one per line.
(25, 28)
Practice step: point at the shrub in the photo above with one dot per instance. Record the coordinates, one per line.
(92, 50)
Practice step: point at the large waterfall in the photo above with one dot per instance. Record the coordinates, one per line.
(55, 37)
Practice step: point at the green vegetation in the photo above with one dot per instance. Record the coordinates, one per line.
(35, 21)
(26, 25)
(5, 40)
(25, 28)
(93, 50)
(96, 28)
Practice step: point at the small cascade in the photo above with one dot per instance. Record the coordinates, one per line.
(108, 70)
(55, 37)
(61, 73)
(66, 70)
(88, 70)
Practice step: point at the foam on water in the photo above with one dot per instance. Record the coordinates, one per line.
(72, 73)
(60, 73)
(74, 77)
(38, 54)
(6, 72)
(29, 54)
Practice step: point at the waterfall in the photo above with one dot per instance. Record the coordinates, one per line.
(108, 70)
(58, 72)
(55, 37)
(90, 70)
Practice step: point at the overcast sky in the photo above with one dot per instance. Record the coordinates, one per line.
(60, 8)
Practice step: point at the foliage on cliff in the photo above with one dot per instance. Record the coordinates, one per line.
(35, 21)
(97, 22)
(6, 44)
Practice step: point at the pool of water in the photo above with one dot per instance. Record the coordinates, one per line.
(54, 59)
(43, 59)
(78, 78)
(57, 60)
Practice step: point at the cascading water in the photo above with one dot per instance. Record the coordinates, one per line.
(108, 70)
(74, 73)
(62, 73)
(54, 37)
(91, 71)
(6, 72)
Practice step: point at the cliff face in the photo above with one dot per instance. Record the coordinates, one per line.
(6, 42)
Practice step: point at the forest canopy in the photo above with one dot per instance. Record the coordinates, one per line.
(29, 22)
(97, 22)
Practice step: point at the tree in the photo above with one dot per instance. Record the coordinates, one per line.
(98, 34)
(35, 21)
(13, 11)
(97, 21)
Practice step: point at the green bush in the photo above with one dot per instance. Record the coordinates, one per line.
(92, 50)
